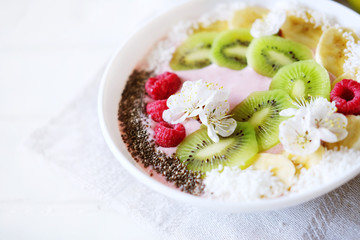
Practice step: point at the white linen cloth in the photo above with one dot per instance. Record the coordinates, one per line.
(73, 141)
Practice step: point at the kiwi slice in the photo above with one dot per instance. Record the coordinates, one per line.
(261, 109)
(200, 153)
(266, 55)
(303, 79)
(229, 48)
(194, 52)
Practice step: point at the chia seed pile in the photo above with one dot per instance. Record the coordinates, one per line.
(131, 116)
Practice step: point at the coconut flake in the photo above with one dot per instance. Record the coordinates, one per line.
(334, 163)
(234, 184)
(352, 62)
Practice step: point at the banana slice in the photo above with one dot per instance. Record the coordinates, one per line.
(306, 161)
(244, 18)
(346, 75)
(281, 167)
(299, 30)
(330, 51)
(352, 140)
(217, 26)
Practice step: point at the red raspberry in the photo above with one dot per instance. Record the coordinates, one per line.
(156, 109)
(168, 135)
(346, 95)
(163, 85)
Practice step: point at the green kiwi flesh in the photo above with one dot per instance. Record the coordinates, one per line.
(194, 52)
(200, 153)
(229, 48)
(303, 79)
(261, 109)
(266, 55)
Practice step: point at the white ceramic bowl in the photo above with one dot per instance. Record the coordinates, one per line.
(126, 58)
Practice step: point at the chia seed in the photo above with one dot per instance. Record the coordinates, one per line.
(133, 126)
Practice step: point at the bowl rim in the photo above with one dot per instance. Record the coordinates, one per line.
(228, 206)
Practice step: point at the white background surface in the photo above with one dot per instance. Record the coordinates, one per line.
(49, 51)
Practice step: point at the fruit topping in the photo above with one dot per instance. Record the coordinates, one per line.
(266, 55)
(298, 29)
(303, 79)
(156, 109)
(306, 161)
(163, 85)
(347, 75)
(244, 18)
(331, 51)
(346, 95)
(198, 152)
(278, 164)
(261, 110)
(229, 48)
(169, 135)
(194, 52)
(217, 26)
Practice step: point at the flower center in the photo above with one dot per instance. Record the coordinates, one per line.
(303, 140)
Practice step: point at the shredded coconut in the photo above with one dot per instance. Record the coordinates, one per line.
(334, 163)
(352, 62)
(234, 184)
(294, 8)
(270, 25)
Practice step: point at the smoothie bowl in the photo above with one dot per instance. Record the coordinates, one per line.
(239, 105)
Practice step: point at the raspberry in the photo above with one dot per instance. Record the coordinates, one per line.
(156, 109)
(346, 95)
(168, 135)
(163, 85)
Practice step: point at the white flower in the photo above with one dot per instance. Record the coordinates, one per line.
(316, 120)
(205, 100)
(191, 100)
(270, 25)
(297, 138)
(215, 117)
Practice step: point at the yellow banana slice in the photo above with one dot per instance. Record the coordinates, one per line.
(346, 75)
(297, 29)
(307, 161)
(217, 26)
(352, 140)
(244, 18)
(281, 167)
(330, 51)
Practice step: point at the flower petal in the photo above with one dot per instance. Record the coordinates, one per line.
(336, 123)
(288, 112)
(226, 128)
(326, 135)
(174, 117)
(212, 134)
